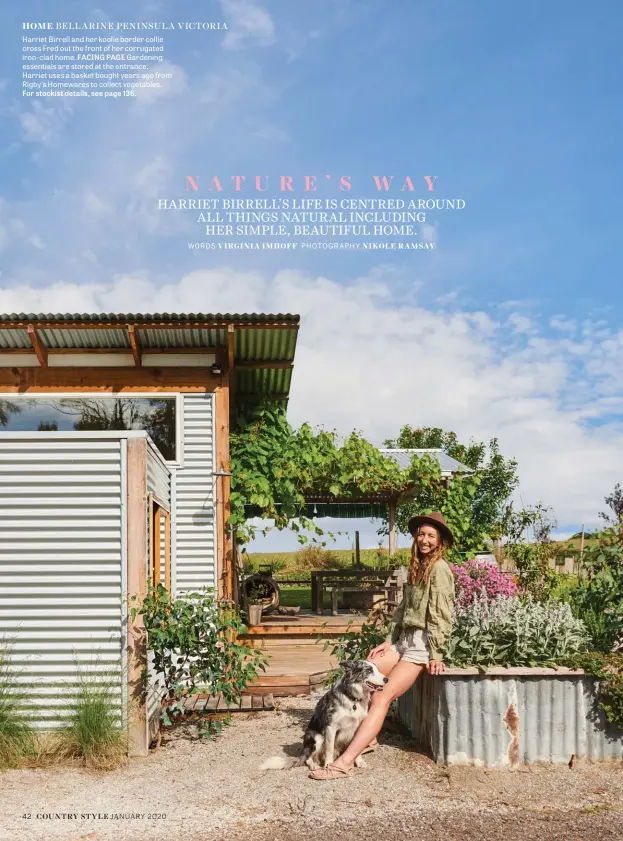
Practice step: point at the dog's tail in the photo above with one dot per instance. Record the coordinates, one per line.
(280, 763)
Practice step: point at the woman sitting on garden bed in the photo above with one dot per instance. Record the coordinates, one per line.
(420, 629)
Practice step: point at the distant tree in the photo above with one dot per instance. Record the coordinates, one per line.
(615, 502)
(155, 416)
(497, 479)
(8, 408)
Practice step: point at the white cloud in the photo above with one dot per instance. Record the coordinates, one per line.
(176, 85)
(366, 362)
(246, 21)
(45, 123)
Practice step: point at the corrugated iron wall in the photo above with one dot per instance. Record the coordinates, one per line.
(62, 510)
(509, 717)
(194, 537)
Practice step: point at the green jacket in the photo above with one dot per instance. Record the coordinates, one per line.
(427, 606)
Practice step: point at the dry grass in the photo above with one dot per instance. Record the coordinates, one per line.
(93, 734)
(16, 734)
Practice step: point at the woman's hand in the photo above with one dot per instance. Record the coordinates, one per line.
(380, 650)
(435, 667)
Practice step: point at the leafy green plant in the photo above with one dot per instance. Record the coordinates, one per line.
(255, 595)
(598, 598)
(354, 645)
(17, 736)
(212, 727)
(608, 669)
(532, 558)
(275, 468)
(93, 732)
(194, 642)
(514, 632)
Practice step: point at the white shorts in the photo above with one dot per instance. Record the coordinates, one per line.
(412, 646)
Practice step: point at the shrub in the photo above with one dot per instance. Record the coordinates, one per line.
(315, 557)
(598, 598)
(16, 734)
(512, 632)
(477, 576)
(194, 642)
(608, 669)
(93, 733)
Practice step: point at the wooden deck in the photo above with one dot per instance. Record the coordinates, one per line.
(198, 704)
(298, 664)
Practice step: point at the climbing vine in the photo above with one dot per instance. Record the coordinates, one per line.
(276, 467)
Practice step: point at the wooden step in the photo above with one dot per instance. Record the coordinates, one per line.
(249, 702)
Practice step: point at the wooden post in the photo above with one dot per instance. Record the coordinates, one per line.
(167, 552)
(156, 545)
(137, 559)
(224, 555)
(392, 527)
(231, 373)
(357, 555)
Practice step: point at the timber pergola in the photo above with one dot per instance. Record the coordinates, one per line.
(378, 505)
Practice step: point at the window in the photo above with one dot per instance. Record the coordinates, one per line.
(154, 415)
(160, 544)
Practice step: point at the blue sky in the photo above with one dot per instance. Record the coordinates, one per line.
(512, 327)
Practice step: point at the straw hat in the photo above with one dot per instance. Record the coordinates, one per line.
(433, 519)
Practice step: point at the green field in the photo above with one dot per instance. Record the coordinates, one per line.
(296, 596)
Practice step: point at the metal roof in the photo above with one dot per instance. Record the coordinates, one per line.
(159, 318)
(261, 338)
(449, 466)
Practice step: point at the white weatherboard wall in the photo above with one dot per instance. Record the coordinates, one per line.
(62, 563)
(194, 536)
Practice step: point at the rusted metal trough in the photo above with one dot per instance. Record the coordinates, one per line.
(507, 717)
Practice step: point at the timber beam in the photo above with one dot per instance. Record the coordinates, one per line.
(39, 348)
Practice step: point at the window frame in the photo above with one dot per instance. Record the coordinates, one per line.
(73, 395)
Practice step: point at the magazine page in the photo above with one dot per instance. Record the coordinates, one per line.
(311, 463)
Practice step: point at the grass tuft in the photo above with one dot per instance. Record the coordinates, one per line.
(92, 734)
(17, 737)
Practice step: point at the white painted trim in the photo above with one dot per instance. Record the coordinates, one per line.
(91, 360)
(19, 360)
(177, 360)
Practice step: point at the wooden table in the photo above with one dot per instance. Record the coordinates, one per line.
(334, 577)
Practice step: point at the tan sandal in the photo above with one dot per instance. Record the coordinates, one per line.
(332, 772)
(370, 749)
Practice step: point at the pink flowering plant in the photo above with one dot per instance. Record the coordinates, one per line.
(478, 576)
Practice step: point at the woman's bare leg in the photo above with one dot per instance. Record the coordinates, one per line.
(402, 677)
(385, 663)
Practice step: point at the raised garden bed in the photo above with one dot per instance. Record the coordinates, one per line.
(508, 717)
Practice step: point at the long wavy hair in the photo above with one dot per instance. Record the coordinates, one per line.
(421, 568)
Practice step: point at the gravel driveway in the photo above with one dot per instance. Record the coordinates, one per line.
(204, 791)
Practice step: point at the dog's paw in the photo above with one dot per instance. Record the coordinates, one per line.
(311, 764)
(360, 762)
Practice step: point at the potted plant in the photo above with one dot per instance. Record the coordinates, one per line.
(254, 602)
